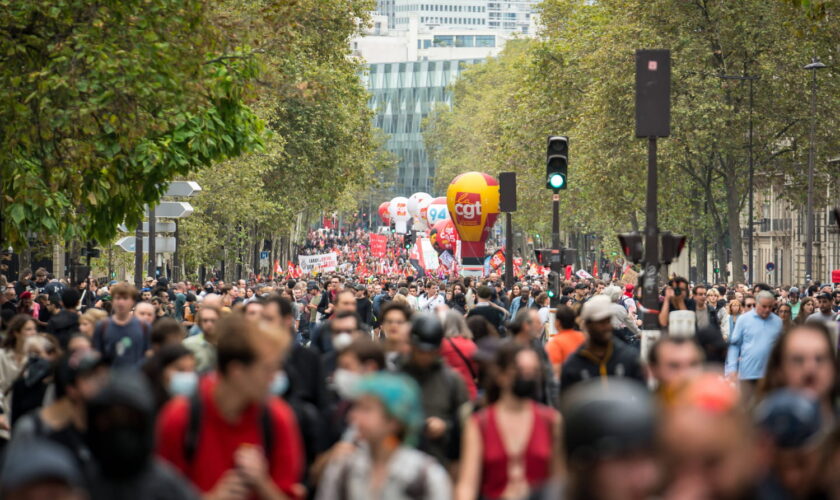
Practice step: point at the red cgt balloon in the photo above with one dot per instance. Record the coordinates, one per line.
(383, 212)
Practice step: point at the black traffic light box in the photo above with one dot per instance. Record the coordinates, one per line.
(557, 162)
(554, 288)
(408, 240)
(631, 245)
(672, 245)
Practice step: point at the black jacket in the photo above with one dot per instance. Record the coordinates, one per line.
(622, 361)
(63, 325)
(491, 314)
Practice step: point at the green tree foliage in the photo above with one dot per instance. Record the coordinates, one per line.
(102, 103)
(578, 80)
(324, 153)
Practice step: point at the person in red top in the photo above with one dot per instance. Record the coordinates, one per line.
(566, 341)
(458, 348)
(511, 448)
(219, 438)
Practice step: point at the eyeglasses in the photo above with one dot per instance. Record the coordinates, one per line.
(749, 305)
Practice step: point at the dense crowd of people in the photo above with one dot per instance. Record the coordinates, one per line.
(391, 385)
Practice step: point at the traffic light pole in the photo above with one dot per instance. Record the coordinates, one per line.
(138, 256)
(650, 284)
(152, 250)
(555, 221)
(508, 251)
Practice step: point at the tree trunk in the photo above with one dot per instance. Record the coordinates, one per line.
(733, 215)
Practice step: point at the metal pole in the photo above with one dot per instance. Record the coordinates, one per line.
(555, 221)
(809, 237)
(751, 256)
(508, 250)
(176, 269)
(152, 235)
(650, 290)
(138, 256)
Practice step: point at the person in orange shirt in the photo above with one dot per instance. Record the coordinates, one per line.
(566, 340)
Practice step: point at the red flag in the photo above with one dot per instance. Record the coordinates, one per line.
(568, 272)
(595, 268)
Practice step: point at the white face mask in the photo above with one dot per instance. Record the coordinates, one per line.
(342, 340)
(345, 382)
(183, 383)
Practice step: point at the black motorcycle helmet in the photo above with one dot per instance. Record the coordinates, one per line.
(607, 418)
(426, 332)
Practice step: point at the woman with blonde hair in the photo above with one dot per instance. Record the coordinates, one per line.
(88, 321)
(733, 310)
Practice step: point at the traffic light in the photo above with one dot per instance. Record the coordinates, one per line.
(557, 162)
(672, 245)
(408, 240)
(553, 288)
(90, 251)
(568, 257)
(631, 245)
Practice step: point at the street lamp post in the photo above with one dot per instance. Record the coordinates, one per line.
(809, 236)
(750, 254)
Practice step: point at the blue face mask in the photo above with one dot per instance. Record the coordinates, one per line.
(280, 384)
(183, 383)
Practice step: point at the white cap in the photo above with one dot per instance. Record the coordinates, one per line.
(597, 308)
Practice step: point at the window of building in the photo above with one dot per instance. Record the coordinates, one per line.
(444, 40)
(485, 40)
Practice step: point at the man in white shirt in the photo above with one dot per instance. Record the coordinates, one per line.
(431, 298)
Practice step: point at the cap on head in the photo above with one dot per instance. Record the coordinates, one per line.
(597, 308)
(426, 332)
(34, 460)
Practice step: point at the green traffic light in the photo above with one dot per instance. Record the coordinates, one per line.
(551, 294)
(556, 181)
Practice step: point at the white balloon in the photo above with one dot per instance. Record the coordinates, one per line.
(399, 209)
(437, 211)
(414, 202)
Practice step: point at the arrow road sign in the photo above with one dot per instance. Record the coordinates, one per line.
(172, 210)
(163, 244)
(182, 188)
(160, 227)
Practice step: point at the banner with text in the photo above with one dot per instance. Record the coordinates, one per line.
(378, 245)
(321, 263)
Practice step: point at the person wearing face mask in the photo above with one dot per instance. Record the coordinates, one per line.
(396, 321)
(120, 435)
(511, 447)
(443, 391)
(171, 372)
(78, 377)
(233, 439)
(355, 361)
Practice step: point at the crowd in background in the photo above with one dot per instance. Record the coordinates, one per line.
(395, 386)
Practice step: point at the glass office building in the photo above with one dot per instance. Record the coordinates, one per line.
(403, 94)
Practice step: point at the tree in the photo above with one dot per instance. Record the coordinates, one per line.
(102, 104)
(577, 79)
(324, 150)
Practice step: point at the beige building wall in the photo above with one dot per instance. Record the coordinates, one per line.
(780, 230)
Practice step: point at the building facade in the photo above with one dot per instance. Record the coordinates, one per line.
(780, 235)
(414, 49)
(403, 94)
